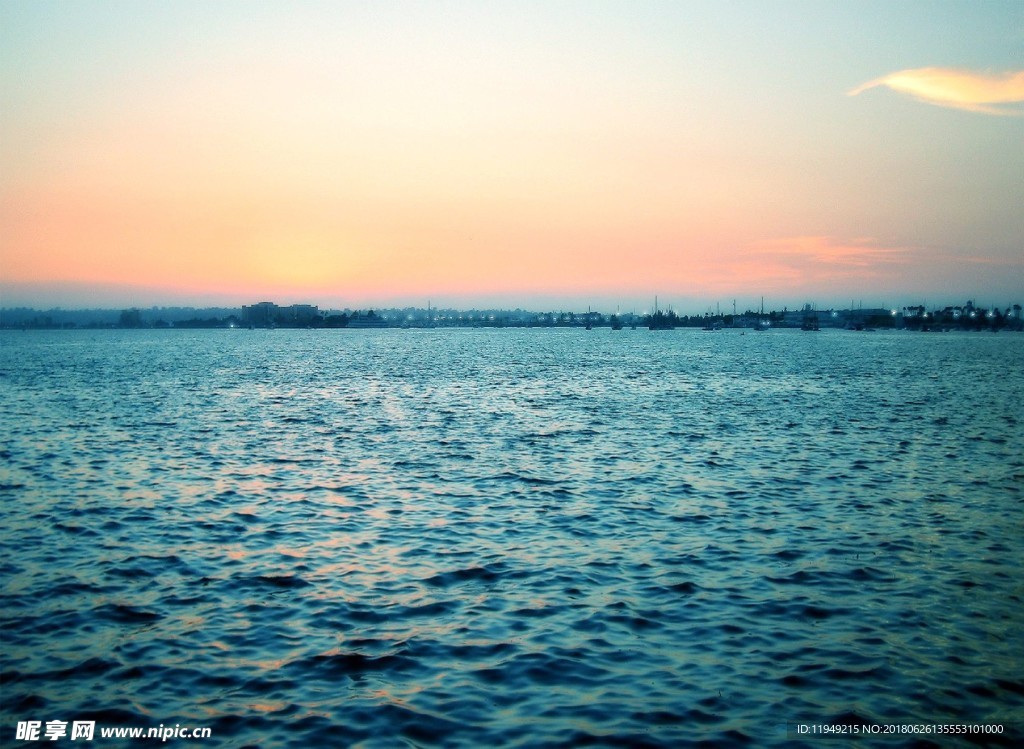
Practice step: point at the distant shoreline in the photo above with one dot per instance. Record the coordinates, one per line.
(305, 316)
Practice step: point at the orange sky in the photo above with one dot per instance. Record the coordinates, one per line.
(336, 155)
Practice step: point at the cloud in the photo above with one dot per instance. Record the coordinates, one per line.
(830, 252)
(817, 262)
(960, 89)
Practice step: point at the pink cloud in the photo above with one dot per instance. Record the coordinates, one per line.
(814, 261)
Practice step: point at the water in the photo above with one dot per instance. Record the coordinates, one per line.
(461, 538)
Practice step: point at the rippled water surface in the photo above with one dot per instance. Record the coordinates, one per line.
(512, 538)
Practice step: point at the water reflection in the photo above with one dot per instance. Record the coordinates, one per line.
(511, 537)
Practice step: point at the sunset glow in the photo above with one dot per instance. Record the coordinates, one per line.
(350, 154)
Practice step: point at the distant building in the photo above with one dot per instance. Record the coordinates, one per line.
(260, 315)
(269, 315)
(300, 315)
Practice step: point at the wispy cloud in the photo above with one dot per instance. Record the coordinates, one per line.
(815, 261)
(830, 252)
(960, 89)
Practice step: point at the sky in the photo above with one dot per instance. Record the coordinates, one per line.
(544, 155)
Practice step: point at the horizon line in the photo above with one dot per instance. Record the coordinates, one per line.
(499, 308)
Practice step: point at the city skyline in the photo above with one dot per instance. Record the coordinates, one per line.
(545, 157)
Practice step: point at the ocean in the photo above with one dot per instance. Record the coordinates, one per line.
(512, 538)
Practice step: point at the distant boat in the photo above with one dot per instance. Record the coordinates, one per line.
(761, 324)
(590, 325)
(615, 321)
(368, 320)
(810, 323)
(713, 323)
